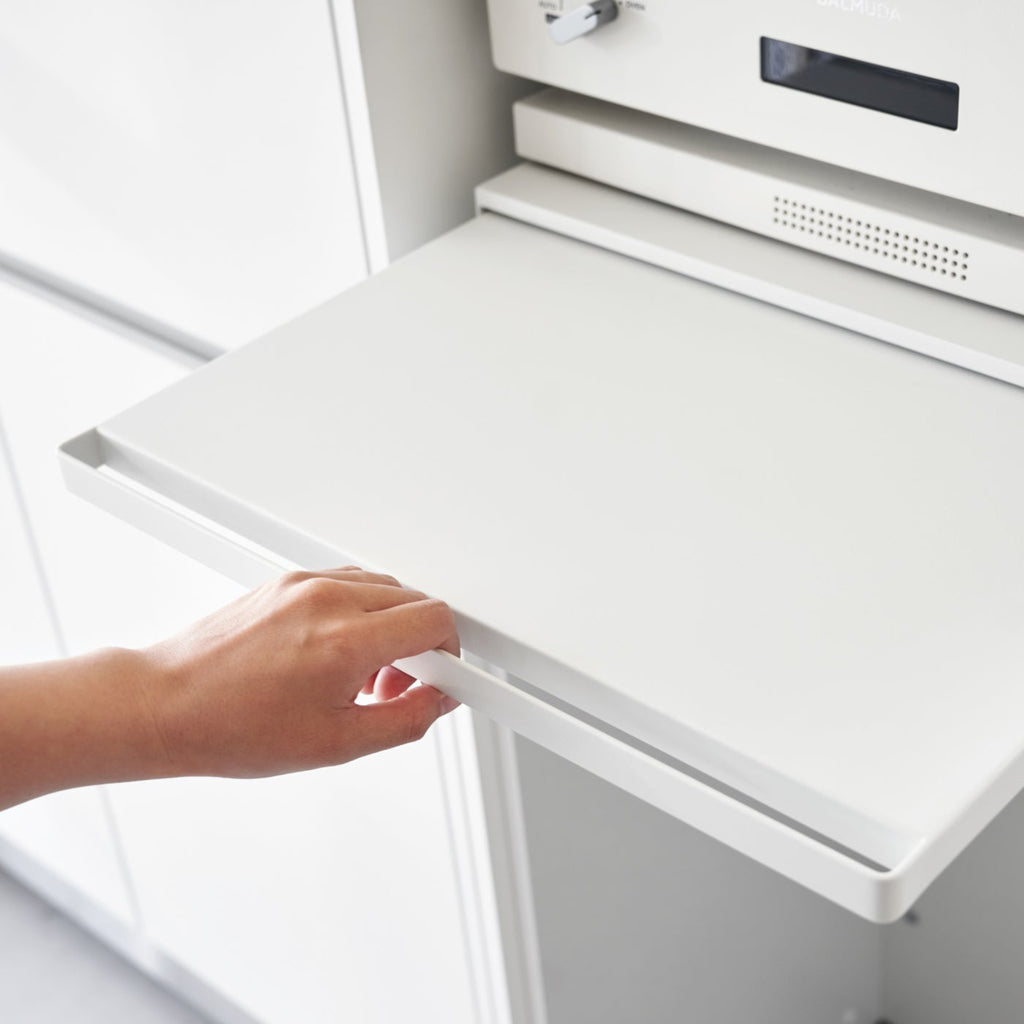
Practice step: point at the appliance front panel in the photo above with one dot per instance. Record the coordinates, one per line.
(701, 62)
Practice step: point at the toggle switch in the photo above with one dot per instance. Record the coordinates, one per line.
(567, 27)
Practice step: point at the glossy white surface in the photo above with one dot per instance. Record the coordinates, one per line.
(316, 897)
(188, 162)
(804, 542)
(110, 585)
(58, 371)
(27, 633)
(52, 972)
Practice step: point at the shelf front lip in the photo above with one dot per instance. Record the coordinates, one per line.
(251, 547)
(966, 333)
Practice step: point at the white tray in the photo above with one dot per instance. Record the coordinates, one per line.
(763, 572)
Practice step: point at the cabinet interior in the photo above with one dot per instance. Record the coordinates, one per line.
(628, 900)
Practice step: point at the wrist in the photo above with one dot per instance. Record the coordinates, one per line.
(126, 735)
(151, 680)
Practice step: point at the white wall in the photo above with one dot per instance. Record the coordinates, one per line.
(188, 162)
(440, 116)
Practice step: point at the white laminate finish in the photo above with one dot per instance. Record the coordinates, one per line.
(855, 880)
(27, 632)
(70, 835)
(783, 553)
(429, 115)
(187, 163)
(316, 897)
(958, 957)
(52, 972)
(58, 372)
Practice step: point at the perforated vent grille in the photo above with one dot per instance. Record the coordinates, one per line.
(871, 239)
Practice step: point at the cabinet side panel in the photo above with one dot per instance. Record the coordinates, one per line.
(319, 897)
(441, 115)
(957, 956)
(188, 162)
(26, 631)
(641, 916)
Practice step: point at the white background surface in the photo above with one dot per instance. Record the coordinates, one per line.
(96, 986)
(28, 633)
(190, 162)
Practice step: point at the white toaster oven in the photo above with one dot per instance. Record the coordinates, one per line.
(922, 92)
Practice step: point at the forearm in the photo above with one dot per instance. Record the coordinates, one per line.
(266, 685)
(77, 722)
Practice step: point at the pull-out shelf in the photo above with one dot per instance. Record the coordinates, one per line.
(761, 571)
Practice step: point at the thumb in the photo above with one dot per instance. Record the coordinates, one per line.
(402, 719)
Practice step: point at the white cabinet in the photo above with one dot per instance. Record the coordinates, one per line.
(68, 833)
(188, 163)
(319, 897)
(790, 501)
(70, 836)
(107, 584)
(27, 632)
(206, 172)
(110, 585)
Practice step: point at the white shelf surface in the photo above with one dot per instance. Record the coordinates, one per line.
(784, 554)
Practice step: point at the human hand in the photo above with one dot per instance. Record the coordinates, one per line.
(268, 684)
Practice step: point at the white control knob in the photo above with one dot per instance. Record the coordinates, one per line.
(567, 27)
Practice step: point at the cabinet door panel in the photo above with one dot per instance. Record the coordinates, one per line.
(187, 161)
(109, 584)
(321, 897)
(70, 836)
(300, 898)
(68, 833)
(26, 631)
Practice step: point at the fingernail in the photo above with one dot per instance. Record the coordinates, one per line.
(448, 704)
